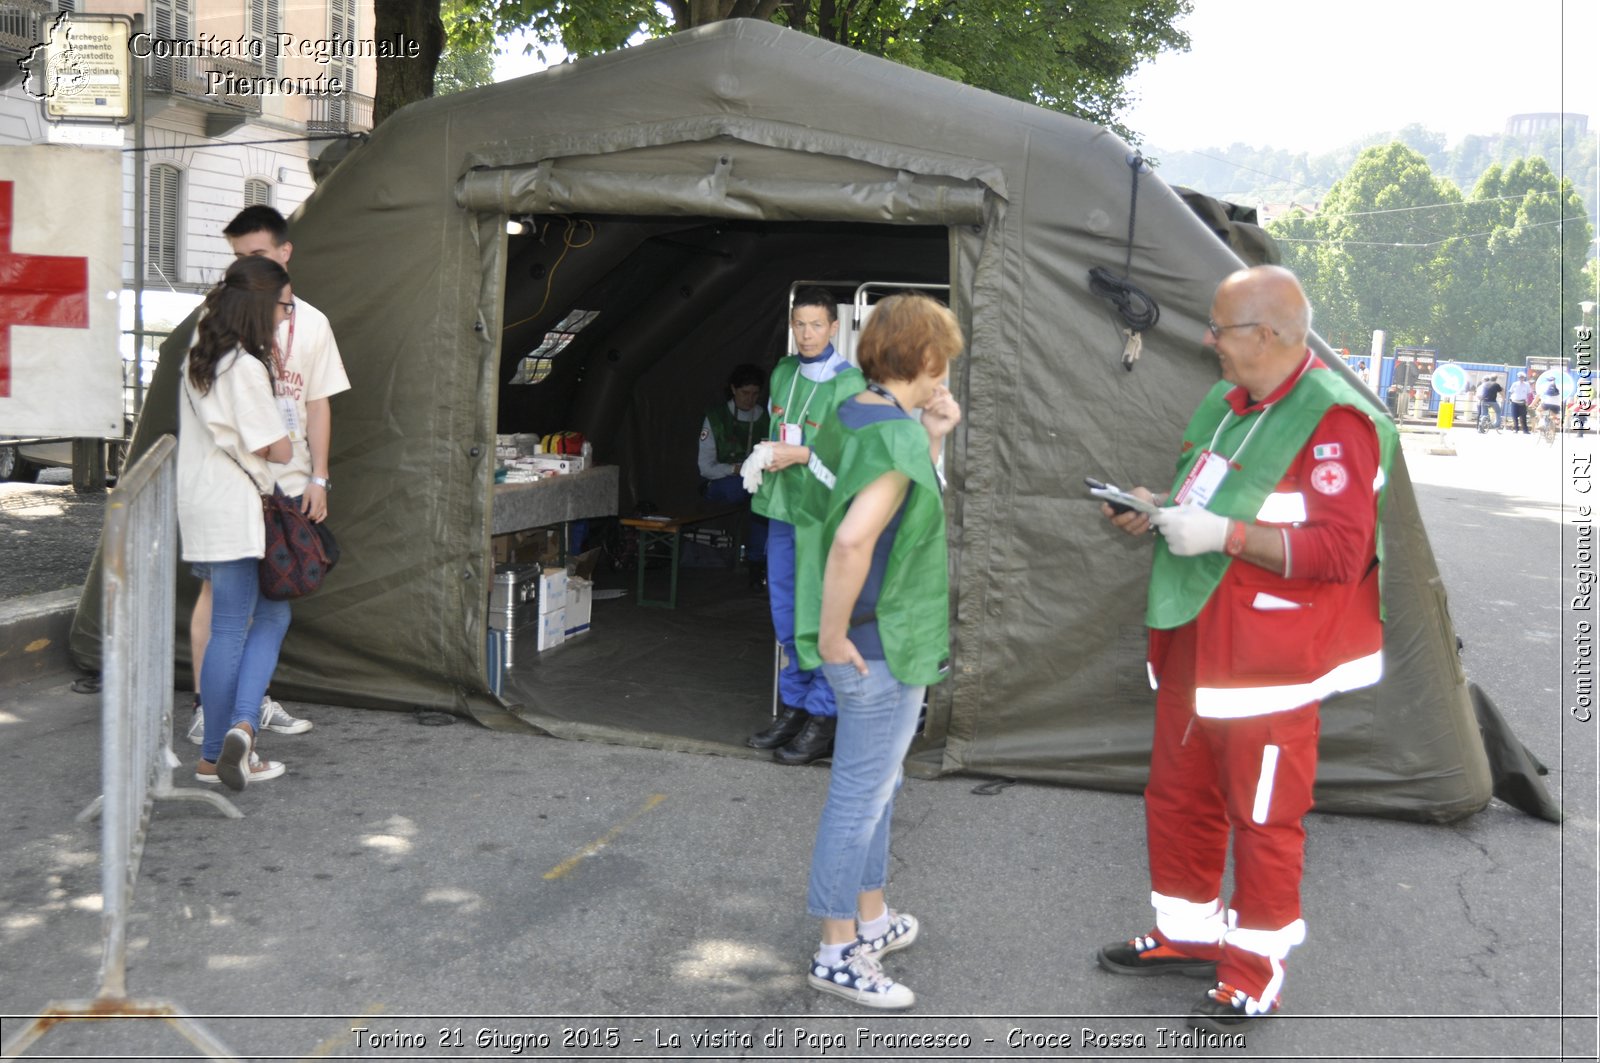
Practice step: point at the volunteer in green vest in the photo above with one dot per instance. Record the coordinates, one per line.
(1264, 600)
(804, 391)
(872, 610)
(729, 433)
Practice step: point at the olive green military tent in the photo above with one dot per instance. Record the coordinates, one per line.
(677, 189)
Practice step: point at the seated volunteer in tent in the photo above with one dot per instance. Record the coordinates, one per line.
(804, 390)
(727, 436)
(873, 613)
(229, 427)
(1264, 599)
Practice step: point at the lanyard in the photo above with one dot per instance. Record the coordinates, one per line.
(789, 402)
(282, 362)
(1233, 459)
(884, 393)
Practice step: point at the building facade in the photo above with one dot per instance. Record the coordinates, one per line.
(240, 96)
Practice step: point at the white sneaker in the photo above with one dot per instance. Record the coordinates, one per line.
(197, 727)
(860, 980)
(260, 771)
(274, 718)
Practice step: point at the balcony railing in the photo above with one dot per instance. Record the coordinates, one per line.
(24, 23)
(348, 112)
(207, 80)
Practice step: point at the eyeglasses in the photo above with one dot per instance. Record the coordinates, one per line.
(288, 308)
(1217, 330)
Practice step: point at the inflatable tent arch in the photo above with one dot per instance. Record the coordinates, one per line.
(742, 151)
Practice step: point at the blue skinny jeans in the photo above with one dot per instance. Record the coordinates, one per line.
(246, 633)
(877, 719)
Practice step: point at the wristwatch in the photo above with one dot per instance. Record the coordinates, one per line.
(322, 482)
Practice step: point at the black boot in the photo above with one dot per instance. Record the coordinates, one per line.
(812, 743)
(788, 724)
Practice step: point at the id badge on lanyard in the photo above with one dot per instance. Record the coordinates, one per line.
(1203, 480)
(791, 434)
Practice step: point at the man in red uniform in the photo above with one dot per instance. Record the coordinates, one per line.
(1263, 601)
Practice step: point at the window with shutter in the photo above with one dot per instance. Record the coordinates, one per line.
(264, 24)
(172, 20)
(342, 24)
(163, 223)
(257, 193)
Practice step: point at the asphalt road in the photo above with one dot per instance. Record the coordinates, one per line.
(49, 534)
(412, 882)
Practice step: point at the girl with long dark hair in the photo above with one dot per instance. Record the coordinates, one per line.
(229, 427)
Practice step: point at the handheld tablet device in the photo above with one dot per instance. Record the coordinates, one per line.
(1119, 500)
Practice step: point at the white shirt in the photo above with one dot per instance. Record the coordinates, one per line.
(310, 369)
(219, 506)
(1521, 392)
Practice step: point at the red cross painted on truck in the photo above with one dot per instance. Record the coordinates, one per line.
(46, 290)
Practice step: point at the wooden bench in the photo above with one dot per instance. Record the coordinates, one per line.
(666, 531)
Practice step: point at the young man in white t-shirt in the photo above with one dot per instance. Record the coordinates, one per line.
(309, 373)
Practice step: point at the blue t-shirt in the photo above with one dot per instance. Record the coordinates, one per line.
(855, 415)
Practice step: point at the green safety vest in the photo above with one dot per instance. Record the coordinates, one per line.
(734, 438)
(913, 610)
(1180, 586)
(782, 495)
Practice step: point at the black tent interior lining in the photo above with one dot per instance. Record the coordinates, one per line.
(678, 302)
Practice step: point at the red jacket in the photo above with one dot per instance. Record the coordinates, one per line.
(1267, 642)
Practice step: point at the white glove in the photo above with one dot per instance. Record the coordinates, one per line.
(758, 460)
(1191, 529)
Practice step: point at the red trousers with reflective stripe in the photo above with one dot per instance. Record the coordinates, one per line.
(1210, 779)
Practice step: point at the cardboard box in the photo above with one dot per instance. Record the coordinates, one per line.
(580, 596)
(531, 547)
(552, 629)
(552, 590)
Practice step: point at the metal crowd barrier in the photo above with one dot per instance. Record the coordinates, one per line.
(139, 549)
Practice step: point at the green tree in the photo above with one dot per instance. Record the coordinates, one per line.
(1385, 226)
(1524, 233)
(1073, 57)
(461, 67)
(403, 80)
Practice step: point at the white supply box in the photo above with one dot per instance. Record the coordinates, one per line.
(580, 598)
(563, 464)
(552, 629)
(552, 590)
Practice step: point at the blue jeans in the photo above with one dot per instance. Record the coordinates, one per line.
(877, 719)
(798, 687)
(246, 632)
(731, 489)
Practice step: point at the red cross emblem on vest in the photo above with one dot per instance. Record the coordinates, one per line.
(46, 290)
(1329, 478)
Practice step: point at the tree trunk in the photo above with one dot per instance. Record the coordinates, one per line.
(403, 80)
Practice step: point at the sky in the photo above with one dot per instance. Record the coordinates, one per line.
(1341, 70)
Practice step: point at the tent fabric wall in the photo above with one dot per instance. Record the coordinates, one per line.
(404, 248)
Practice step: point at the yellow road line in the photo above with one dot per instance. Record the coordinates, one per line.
(341, 1040)
(595, 846)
